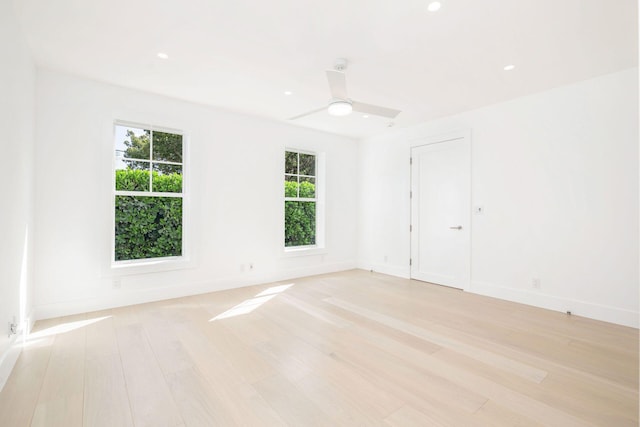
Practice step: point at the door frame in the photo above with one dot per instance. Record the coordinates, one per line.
(438, 139)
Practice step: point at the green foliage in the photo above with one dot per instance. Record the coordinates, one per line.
(299, 163)
(290, 189)
(299, 216)
(132, 180)
(138, 180)
(290, 162)
(148, 227)
(299, 223)
(169, 183)
(307, 189)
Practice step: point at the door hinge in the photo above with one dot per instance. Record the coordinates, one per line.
(410, 262)
(411, 194)
(410, 228)
(410, 160)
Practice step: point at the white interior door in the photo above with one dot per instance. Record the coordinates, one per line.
(441, 211)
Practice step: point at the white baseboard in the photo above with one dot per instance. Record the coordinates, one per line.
(8, 359)
(391, 270)
(580, 308)
(9, 355)
(124, 296)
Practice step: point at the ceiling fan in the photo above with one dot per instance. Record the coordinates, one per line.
(340, 104)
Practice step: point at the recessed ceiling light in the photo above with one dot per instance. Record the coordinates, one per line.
(434, 6)
(287, 92)
(365, 116)
(509, 67)
(162, 55)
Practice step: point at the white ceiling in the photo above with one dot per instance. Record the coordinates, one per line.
(243, 54)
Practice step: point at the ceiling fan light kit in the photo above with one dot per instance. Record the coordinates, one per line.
(340, 107)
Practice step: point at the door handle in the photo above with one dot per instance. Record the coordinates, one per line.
(456, 228)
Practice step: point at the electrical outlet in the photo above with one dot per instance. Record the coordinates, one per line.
(535, 282)
(13, 328)
(117, 283)
(250, 266)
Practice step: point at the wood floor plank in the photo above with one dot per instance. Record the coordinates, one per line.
(490, 412)
(488, 357)
(234, 396)
(19, 396)
(100, 335)
(409, 417)
(63, 411)
(61, 396)
(106, 399)
(151, 401)
(290, 403)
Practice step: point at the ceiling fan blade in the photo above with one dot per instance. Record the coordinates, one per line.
(337, 84)
(308, 113)
(375, 110)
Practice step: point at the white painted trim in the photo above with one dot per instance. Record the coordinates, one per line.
(148, 266)
(441, 137)
(8, 360)
(297, 251)
(391, 270)
(9, 355)
(139, 296)
(550, 302)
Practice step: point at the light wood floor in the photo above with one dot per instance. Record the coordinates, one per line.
(345, 349)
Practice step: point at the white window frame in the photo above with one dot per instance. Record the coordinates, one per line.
(160, 263)
(319, 246)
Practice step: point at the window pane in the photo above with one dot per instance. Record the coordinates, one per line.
(290, 162)
(148, 227)
(132, 180)
(132, 143)
(167, 178)
(307, 187)
(167, 147)
(307, 164)
(290, 186)
(299, 223)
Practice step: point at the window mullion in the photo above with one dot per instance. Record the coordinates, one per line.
(298, 175)
(151, 160)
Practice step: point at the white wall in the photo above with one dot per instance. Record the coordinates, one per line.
(17, 73)
(557, 174)
(236, 188)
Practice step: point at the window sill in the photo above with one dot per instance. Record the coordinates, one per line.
(128, 268)
(303, 251)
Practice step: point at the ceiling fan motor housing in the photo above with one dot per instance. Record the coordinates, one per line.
(340, 64)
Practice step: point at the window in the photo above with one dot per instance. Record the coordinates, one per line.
(300, 199)
(148, 198)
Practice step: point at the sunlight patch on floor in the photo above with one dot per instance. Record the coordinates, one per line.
(251, 304)
(64, 327)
